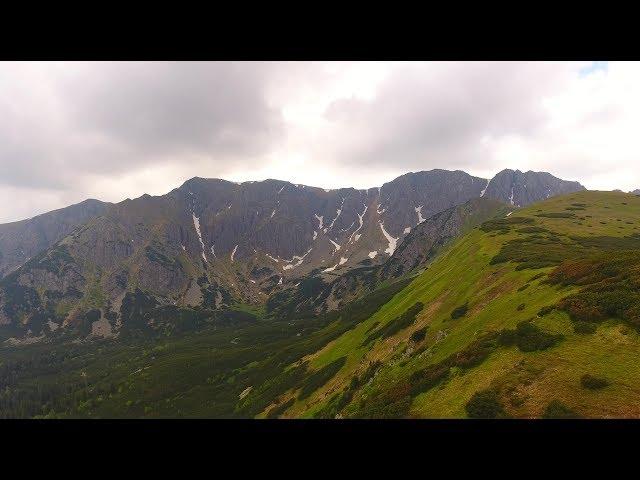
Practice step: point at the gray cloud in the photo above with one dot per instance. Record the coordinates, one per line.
(110, 118)
(428, 116)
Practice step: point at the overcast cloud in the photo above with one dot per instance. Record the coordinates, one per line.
(69, 131)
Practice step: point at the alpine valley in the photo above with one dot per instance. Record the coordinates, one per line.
(437, 294)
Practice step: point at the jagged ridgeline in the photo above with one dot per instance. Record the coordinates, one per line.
(173, 263)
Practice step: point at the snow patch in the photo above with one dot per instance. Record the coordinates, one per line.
(360, 216)
(511, 197)
(342, 261)
(509, 213)
(392, 241)
(320, 219)
(330, 269)
(373, 254)
(234, 252)
(196, 224)
(338, 212)
(298, 263)
(419, 212)
(336, 246)
(484, 190)
(280, 191)
(315, 235)
(407, 230)
(280, 281)
(271, 258)
(273, 213)
(184, 249)
(213, 252)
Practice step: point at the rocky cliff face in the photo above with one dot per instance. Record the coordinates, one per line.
(521, 189)
(19, 241)
(211, 243)
(328, 291)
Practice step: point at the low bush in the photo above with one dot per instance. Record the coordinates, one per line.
(394, 326)
(418, 335)
(593, 383)
(556, 410)
(503, 224)
(460, 311)
(472, 355)
(528, 337)
(485, 404)
(278, 410)
(584, 327)
(556, 215)
(320, 377)
(391, 403)
(545, 310)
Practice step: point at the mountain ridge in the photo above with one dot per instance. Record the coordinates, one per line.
(214, 244)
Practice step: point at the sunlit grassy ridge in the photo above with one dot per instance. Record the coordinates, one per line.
(493, 270)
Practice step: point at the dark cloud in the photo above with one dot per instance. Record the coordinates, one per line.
(108, 118)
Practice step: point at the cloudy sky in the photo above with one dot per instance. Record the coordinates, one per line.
(69, 131)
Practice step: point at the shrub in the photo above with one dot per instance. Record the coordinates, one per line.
(278, 410)
(485, 404)
(503, 224)
(528, 337)
(557, 409)
(392, 403)
(472, 355)
(399, 323)
(584, 327)
(537, 276)
(546, 310)
(418, 335)
(523, 287)
(556, 215)
(593, 383)
(320, 377)
(460, 311)
(520, 307)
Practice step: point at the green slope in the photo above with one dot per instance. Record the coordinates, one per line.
(588, 242)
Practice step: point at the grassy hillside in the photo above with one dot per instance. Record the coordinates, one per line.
(545, 300)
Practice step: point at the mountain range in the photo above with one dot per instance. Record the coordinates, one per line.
(218, 245)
